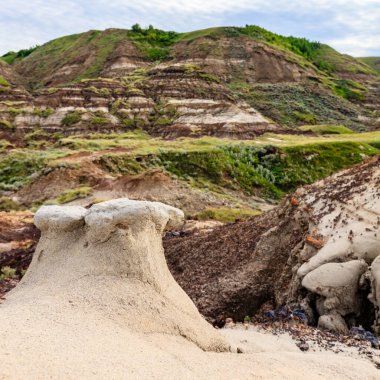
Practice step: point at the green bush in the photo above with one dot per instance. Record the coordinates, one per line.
(7, 272)
(72, 118)
(99, 120)
(44, 112)
(11, 56)
(153, 42)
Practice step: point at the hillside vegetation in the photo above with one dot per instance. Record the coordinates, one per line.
(225, 115)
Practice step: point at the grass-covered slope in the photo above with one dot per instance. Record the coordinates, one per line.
(92, 49)
(373, 62)
(83, 55)
(291, 80)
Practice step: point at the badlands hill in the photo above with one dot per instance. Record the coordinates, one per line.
(217, 122)
(231, 82)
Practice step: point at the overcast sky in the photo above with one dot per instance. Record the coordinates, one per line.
(352, 27)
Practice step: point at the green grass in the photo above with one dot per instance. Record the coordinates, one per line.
(326, 129)
(225, 215)
(267, 166)
(305, 117)
(73, 194)
(373, 62)
(12, 56)
(4, 82)
(203, 33)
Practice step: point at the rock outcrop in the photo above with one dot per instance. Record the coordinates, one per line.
(320, 249)
(109, 260)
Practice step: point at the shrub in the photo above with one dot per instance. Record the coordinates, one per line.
(72, 118)
(7, 204)
(6, 273)
(44, 112)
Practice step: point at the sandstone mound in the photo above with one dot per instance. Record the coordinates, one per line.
(110, 258)
(99, 302)
(316, 249)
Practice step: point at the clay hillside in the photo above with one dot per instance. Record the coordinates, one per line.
(237, 82)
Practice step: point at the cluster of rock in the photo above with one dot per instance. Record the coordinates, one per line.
(344, 268)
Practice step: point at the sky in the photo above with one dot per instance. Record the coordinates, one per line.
(351, 27)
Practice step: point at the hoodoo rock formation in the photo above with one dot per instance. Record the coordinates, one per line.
(110, 259)
(98, 302)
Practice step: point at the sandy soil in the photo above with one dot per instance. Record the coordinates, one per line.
(69, 341)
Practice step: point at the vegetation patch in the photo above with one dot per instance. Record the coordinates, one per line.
(6, 125)
(73, 194)
(154, 43)
(17, 167)
(294, 104)
(12, 56)
(7, 273)
(349, 89)
(72, 118)
(326, 129)
(4, 82)
(7, 204)
(226, 215)
(305, 117)
(43, 112)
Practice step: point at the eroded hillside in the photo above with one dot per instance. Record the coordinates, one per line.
(230, 82)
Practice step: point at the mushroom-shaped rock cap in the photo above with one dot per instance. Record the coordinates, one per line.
(103, 217)
(59, 218)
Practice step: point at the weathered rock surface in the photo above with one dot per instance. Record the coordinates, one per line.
(110, 258)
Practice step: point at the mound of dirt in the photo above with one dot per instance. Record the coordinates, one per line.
(234, 269)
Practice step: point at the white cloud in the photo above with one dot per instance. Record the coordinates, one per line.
(352, 26)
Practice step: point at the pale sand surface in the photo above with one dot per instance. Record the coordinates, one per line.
(51, 341)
